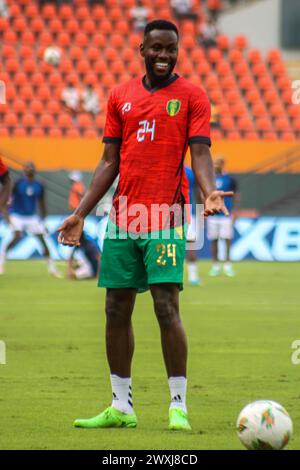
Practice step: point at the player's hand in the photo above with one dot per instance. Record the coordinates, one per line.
(214, 204)
(71, 231)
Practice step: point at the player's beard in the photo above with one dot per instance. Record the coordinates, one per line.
(153, 76)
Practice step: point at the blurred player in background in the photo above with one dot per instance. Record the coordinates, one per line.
(28, 199)
(191, 255)
(220, 227)
(86, 264)
(5, 188)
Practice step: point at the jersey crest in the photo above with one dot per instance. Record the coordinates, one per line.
(173, 107)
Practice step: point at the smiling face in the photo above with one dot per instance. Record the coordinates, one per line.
(160, 51)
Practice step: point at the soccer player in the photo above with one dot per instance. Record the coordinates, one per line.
(191, 255)
(220, 227)
(150, 122)
(27, 194)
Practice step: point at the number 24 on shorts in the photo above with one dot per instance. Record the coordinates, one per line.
(168, 250)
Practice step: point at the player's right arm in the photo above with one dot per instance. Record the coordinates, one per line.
(104, 176)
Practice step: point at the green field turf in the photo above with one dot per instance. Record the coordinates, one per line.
(240, 334)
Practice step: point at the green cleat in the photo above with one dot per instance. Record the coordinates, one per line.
(109, 418)
(178, 420)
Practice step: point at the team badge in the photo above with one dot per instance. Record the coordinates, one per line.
(126, 108)
(173, 107)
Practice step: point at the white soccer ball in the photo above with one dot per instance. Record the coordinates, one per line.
(264, 424)
(52, 55)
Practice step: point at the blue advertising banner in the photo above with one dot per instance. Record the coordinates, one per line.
(261, 239)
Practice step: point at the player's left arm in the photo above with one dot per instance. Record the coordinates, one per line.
(5, 191)
(204, 173)
(202, 165)
(236, 198)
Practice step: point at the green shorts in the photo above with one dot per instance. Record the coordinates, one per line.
(153, 258)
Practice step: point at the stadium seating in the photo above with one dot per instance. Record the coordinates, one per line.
(99, 47)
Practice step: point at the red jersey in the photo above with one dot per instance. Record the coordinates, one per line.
(3, 168)
(155, 127)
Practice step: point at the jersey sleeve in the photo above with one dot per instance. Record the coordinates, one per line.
(113, 125)
(3, 170)
(199, 119)
(233, 184)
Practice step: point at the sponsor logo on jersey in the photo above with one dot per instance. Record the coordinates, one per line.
(126, 108)
(173, 107)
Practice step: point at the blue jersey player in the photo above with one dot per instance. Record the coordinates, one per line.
(219, 226)
(27, 212)
(191, 255)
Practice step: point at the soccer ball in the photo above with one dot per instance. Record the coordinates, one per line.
(52, 55)
(264, 424)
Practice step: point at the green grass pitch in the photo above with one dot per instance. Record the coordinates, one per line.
(240, 333)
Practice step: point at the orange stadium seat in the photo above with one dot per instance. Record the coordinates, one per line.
(92, 53)
(117, 67)
(227, 123)
(28, 38)
(65, 12)
(116, 14)
(26, 52)
(55, 132)
(270, 136)
(216, 96)
(4, 132)
(188, 42)
(10, 119)
(75, 53)
(53, 106)
(31, 11)
(45, 39)
(270, 96)
(19, 132)
(37, 79)
(234, 56)
(55, 26)
(82, 13)
(99, 40)
(81, 39)
(46, 120)
(90, 133)
(240, 42)
(83, 66)
(135, 40)
(129, 3)
(241, 69)
(105, 27)
(29, 66)
(122, 27)
(186, 68)
(72, 26)
(246, 83)
(43, 93)
(108, 80)
(100, 67)
(12, 66)
(117, 41)
(20, 79)
(263, 124)
(8, 51)
(284, 83)
(273, 55)
(10, 89)
(127, 54)
(245, 124)
(232, 97)
(100, 121)
(282, 124)
(276, 110)
(10, 37)
(48, 12)
(296, 124)
(233, 135)
(63, 40)
(252, 135)
(4, 24)
(37, 132)
(14, 10)
(65, 66)
(98, 12)
(228, 82)
(28, 120)
(111, 54)
(72, 132)
(278, 69)
(259, 110)
(286, 96)
(223, 42)
(55, 79)
(287, 136)
(196, 55)
(37, 107)
(19, 24)
(88, 26)
(64, 120)
(223, 68)
(84, 120)
(203, 68)
(90, 79)
(294, 111)
(37, 25)
(254, 56)
(19, 106)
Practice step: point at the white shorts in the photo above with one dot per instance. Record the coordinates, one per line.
(31, 224)
(219, 227)
(191, 234)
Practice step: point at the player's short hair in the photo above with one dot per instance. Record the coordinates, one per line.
(163, 25)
